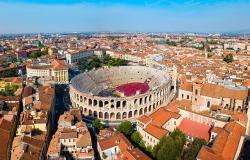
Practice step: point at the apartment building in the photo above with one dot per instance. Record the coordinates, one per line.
(166, 119)
(36, 123)
(72, 136)
(74, 56)
(113, 145)
(205, 95)
(56, 70)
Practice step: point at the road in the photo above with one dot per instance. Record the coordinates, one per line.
(60, 108)
(63, 104)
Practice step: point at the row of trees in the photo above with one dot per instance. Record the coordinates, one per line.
(168, 42)
(8, 73)
(95, 62)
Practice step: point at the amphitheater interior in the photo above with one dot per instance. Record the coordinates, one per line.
(118, 93)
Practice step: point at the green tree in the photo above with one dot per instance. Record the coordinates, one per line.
(180, 140)
(97, 124)
(171, 145)
(212, 42)
(126, 128)
(165, 149)
(209, 55)
(228, 58)
(95, 62)
(106, 59)
(191, 152)
(40, 45)
(137, 139)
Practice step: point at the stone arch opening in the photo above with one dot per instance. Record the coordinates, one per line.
(100, 103)
(135, 113)
(149, 108)
(90, 102)
(81, 99)
(154, 106)
(95, 102)
(106, 115)
(90, 113)
(100, 115)
(118, 115)
(124, 103)
(118, 104)
(171, 88)
(145, 100)
(85, 99)
(135, 101)
(112, 115)
(124, 115)
(106, 103)
(140, 101)
(130, 114)
(145, 110)
(141, 111)
(150, 98)
(95, 114)
(85, 110)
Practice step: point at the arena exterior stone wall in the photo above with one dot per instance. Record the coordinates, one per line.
(85, 87)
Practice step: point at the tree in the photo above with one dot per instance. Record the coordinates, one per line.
(165, 149)
(35, 54)
(83, 65)
(137, 139)
(97, 124)
(40, 45)
(95, 62)
(171, 145)
(106, 59)
(209, 55)
(180, 140)
(126, 128)
(228, 58)
(191, 152)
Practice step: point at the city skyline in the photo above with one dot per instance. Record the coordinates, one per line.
(44, 16)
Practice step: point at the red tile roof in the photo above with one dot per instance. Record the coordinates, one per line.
(195, 129)
(144, 119)
(225, 144)
(156, 131)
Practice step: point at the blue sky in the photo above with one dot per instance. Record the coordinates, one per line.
(26, 16)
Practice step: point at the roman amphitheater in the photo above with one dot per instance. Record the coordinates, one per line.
(121, 93)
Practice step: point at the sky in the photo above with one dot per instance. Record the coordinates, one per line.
(47, 16)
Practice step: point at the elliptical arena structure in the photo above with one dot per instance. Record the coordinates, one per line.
(121, 93)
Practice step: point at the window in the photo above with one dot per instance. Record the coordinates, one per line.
(208, 104)
(187, 96)
(226, 106)
(196, 91)
(195, 99)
